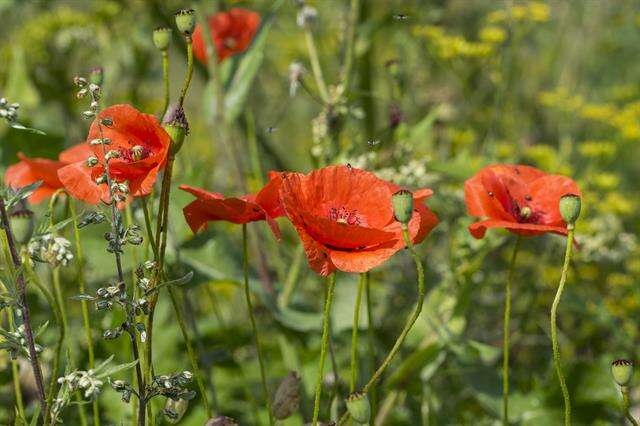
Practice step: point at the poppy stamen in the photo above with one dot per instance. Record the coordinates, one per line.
(344, 216)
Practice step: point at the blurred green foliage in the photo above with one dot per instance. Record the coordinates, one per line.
(551, 84)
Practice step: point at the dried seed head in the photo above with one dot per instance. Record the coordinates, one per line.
(287, 397)
(162, 38)
(186, 21)
(622, 371)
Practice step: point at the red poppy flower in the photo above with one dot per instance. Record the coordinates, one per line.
(521, 199)
(344, 217)
(142, 145)
(232, 33)
(30, 170)
(212, 206)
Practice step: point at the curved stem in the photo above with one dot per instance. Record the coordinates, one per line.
(315, 65)
(247, 294)
(554, 330)
(323, 348)
(354, 334)
(626, 403)
(187, 77)
(505, 335)
(165, 79)
(373, 390)
(408, 325)
(83, 303)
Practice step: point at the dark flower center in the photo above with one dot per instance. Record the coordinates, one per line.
(344, 216)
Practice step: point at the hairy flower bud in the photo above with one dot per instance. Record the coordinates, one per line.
(92, 161)
(177, 126)
(402, 202)
(186, 21)
(570, 205)
(307, 16)
(359, 407)
(162, 38)
(622, 371)
(287, 397)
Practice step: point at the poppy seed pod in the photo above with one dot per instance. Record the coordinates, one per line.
(402, 202)
(287, 397)
(96, 76)
(177, 126)
(622, 371)
(186, 21)
(570, 208)
(22, 223)
(359, 407)
(162, 38)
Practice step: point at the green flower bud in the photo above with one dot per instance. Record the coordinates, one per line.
(287, 397)
(96, 76)
(22, 223)
(176, 125)
(622, 371)
(359, 407)
(186, 21)
(402, 202)
(570, 208)
(162, 38)
(174, 410)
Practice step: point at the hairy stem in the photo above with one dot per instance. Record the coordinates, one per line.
(554, 328)
(373, 390)
(254, 327)
(410, 321)
(187, 77)
(505, 335)
(165, 80)
(24, 307)
(626, 404)
(354, 334)
(323, 347)
(315, 65)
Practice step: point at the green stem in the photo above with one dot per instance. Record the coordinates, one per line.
(323, 347)
(554, 330)
(373, 390)
(83, 303)
(315, 65)
(187, 77)
(165, 79)
(354, 334)
(410, 321)
(626, 403)
(15, 372)
(247, 294)
(505, 335)
(351, 41)
(292, 278)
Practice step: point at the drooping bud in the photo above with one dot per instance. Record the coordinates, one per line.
(96, 76)
(402, 202)
(162, 38)
(287, 397)
(177, 126)
(174, 410)
(307, 16)
(92, 161)
(221, 421)
(622, 371)
(359, 407)
(186, 21)
(570, 205)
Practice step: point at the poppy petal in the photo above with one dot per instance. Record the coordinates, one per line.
(479, 229)
(76, 153)
(78, 182)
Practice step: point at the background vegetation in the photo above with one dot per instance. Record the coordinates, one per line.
(440, 89)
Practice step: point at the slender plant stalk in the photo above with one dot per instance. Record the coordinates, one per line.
(354, 11)
(15, 371)
(187, 77)
(354, 334)
(315, 65)
(292, 278)
(373, 390)
(24, 307)
(626, 403)
(410, 321)
(323, 347)
(165, 80)
(554, 327)
(247, 294)
(505, 335)
(53, 302)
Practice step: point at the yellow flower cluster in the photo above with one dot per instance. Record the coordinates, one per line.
(452, 46)
(534, 11)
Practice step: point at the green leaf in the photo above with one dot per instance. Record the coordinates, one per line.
(248, 69)
(41, 329)
(177, 282)
(103, 364)
(36, 416)
(82, 297)
(416, 362)
(116, 369)
(23, 193)
(19, 126)
(299, 321)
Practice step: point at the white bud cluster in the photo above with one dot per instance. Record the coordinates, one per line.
(50, 249)
(8, 111)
